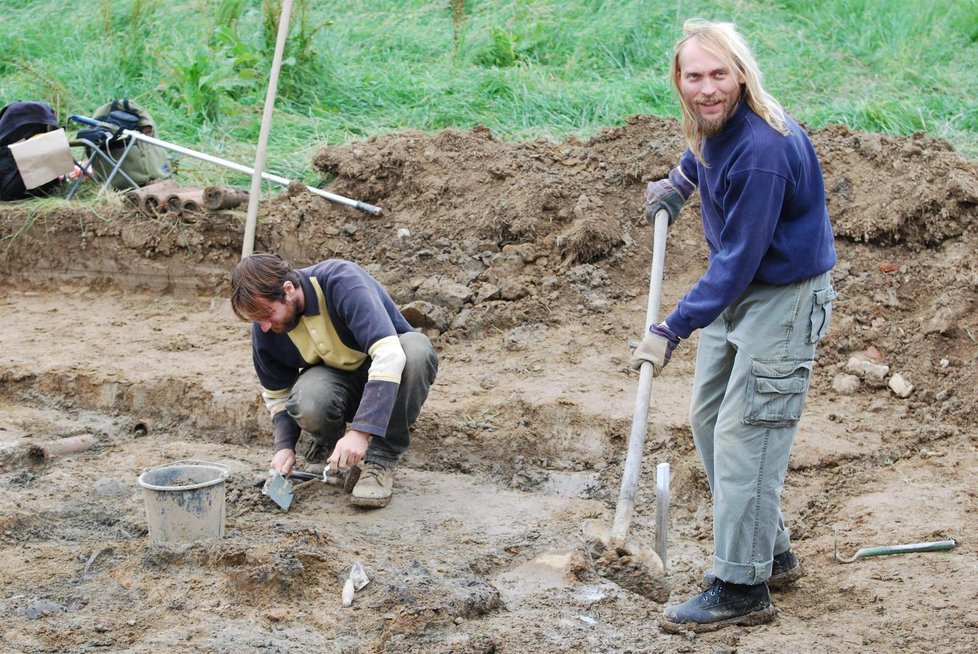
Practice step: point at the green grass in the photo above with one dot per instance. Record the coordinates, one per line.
(523, 68)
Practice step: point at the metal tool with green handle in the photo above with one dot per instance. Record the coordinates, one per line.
(885, 550)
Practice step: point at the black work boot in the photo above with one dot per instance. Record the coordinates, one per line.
(785, 572)
(722, 605)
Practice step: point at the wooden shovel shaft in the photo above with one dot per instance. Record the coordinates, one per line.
(640, 417)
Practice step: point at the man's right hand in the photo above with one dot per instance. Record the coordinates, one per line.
(656, 348)
(349, 450)
(283, 461)
(667, 195)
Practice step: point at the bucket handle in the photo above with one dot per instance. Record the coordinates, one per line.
(225, 470)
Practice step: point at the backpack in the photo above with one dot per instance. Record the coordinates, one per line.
(145, 162)
(18, 121)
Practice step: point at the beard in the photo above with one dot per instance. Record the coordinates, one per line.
(286, 325)
(713, 126)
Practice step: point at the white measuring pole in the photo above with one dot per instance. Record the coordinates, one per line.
(248, 246)
(662, 512)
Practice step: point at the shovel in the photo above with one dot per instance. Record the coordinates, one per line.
(630, 563)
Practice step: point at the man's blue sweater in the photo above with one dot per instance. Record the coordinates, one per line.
(764, 215)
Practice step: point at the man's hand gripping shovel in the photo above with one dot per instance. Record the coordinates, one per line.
(628, 562)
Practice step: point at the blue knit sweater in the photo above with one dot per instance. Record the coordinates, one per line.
(764, 215)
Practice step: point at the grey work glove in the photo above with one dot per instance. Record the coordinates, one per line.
(656, 348)
(669, 194)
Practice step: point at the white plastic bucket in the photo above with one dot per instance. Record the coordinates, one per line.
(184, 501)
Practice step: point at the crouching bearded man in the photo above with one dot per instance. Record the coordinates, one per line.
(330, 347)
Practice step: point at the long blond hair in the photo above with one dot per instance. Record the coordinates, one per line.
(724, 42)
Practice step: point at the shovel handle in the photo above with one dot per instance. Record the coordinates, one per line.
(640, 417)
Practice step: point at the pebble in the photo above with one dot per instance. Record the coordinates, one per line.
(845, 384)
(900, 386)
(867, 368)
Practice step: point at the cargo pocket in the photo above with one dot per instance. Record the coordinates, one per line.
(776, 392)
(821, 313)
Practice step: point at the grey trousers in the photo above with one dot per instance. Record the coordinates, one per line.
(753, 367)
(324, 399)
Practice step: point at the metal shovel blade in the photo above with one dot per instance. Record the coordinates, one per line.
(279, 489)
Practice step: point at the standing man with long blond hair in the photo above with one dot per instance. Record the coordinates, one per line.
(762, 305)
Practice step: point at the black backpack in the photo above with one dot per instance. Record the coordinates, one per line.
(18, 121)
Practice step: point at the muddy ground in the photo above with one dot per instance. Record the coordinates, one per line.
(527, 263)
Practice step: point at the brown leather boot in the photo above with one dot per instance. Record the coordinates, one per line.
(373, 490)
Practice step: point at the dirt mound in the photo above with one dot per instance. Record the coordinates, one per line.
(915, 192)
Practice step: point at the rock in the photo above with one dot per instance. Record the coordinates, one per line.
(444, 292)
(486, 291)
(425, 315)
(942, 322)
(514, 289)
(845, 384)
(900, 386)
(40, 608)
(505, 266)
(866, 368)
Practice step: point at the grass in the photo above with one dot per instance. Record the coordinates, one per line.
(523, 68)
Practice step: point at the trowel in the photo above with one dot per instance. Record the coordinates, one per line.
(281, 489)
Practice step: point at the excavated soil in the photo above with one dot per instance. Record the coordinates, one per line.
(527, 263)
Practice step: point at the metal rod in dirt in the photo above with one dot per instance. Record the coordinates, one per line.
(886, 550)
(640, 417)
(248, 244)
(662, 512)
(282, 181)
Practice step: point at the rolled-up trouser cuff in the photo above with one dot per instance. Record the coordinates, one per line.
(742, 573)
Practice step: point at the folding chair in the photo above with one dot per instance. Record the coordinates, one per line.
(96, 141)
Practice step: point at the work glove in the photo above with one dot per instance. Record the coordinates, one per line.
(656, 348)
(669, 194)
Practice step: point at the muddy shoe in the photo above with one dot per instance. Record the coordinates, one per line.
(317, 454)
(722, 605)
(785, 572)
(373, 490)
